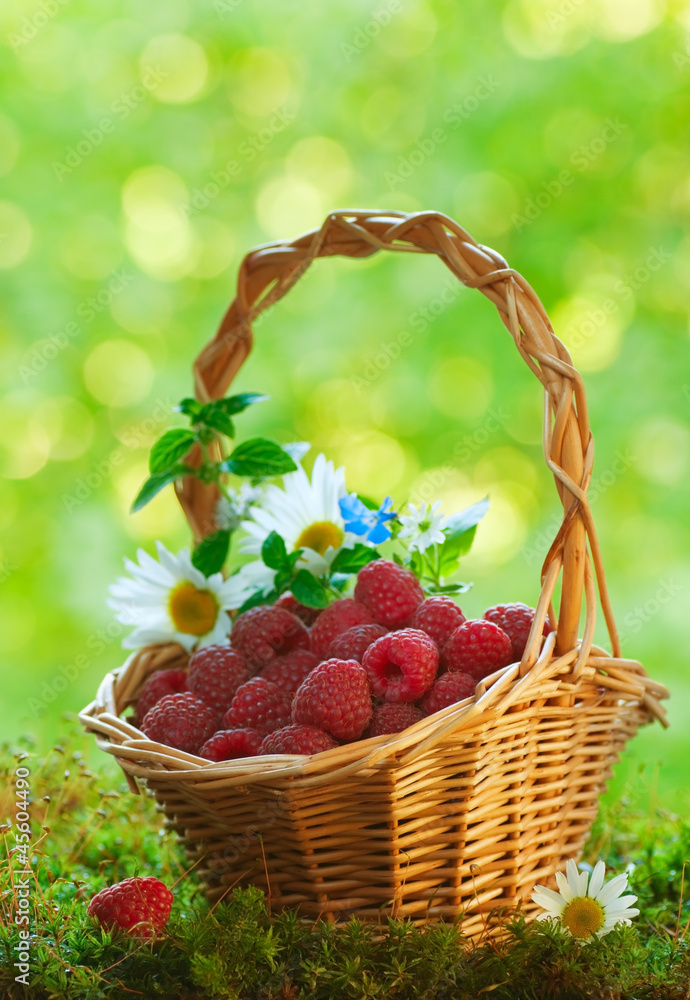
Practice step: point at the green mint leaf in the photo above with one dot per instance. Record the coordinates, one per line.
(274, 553)
(210, 554)
(294, 556)
(239, 402)
(464, 520)
(170, 448)
(190, 407)
(155, 483)
(416, 563)
(257, 598)
(352, 560)
(449, 588)
(213, 416)
(308, 590)
(258, 457)
(282, 579)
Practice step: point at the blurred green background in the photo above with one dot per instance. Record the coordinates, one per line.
(145, 148)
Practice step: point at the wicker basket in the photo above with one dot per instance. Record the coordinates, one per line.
(465, 811)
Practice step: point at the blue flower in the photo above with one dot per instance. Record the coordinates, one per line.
(360, 520)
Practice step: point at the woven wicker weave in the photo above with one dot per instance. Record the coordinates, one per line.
(465, 811)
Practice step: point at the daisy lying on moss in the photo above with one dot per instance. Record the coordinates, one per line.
(584, 906)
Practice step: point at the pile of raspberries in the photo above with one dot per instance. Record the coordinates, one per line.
(294, 680)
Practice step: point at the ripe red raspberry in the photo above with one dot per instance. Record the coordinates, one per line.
(402, 665)
(446, 690)
(297, 739)
(181, 721)
(391, 592)
(392, 717)
(215, 673)
(308, 615)
(516, 621)
(477, 648)
(337, 618)
(259, 705)
(352, 644)
(140, 906)
(335, 697)
(438, 617)
(228, 744)
(264, 632)
(160, 683)
(289, 671)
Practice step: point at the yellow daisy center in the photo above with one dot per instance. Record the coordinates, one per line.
(583, 916)
(192, 610)
(320, 536)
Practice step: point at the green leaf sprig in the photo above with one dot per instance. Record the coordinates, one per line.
(258, 458)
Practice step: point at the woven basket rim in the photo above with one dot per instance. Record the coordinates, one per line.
(494, 696)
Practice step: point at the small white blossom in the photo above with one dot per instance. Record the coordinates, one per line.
(423, 526)
(234, 508)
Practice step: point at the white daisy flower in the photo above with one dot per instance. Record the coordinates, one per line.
(423, 526)
(305, 514)
(169, 600)
(586, 911)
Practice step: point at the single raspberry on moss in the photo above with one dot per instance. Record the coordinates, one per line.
(437, 616)
(478, 648)
(229, 744)
(259, 705)
(393, 717)
(215, 673)
(354, 642)
(289, 671)
(297, 739)
(266, 631)
(140, 906)
(516, 621)
(401, 665)
(181, 721)
(390, 592)
(335, 697)
(159, 684)
(446, 690)
(288, 602)
(336, 619)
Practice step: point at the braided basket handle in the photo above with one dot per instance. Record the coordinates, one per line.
(270, 270)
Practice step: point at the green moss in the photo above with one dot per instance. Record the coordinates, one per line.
(93, 836)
